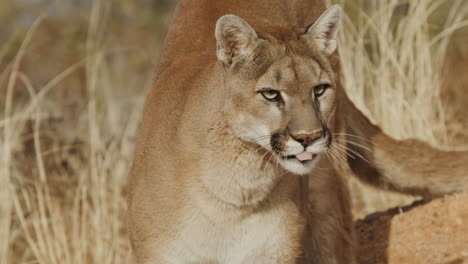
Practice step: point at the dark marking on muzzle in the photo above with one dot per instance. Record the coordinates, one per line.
(277, 143)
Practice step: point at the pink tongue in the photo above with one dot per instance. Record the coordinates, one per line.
(304, 156)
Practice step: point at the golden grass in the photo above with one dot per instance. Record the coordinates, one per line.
(393, 66)
(63, 180)
(401, 65)
(71, 96)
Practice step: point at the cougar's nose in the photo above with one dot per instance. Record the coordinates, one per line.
(307, 139)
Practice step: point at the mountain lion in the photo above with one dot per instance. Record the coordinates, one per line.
(237, 158)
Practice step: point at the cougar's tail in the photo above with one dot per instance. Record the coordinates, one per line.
(409, 166)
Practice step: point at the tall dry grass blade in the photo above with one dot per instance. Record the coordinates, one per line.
(6, 189)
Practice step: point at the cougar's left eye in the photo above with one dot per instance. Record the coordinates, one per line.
(320, 89)
(271, 95)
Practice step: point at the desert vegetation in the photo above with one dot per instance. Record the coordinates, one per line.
(73, 79)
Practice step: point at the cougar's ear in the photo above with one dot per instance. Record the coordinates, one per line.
(235, 38)
(325, 29)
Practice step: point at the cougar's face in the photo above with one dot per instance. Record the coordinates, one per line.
(286, 111)
(280, 87)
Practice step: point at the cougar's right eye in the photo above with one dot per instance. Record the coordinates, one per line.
(320, 89)
(270, 94)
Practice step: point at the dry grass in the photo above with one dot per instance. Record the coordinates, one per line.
(72, 99)
(393, 57)
(401, 64)
(71, 95)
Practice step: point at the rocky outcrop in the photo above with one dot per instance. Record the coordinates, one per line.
(426, 232)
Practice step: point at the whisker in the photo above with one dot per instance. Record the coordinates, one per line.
(263, 156)
(259, 148)
(355, 144)
(337, 147)
(286, 172)
(350, 135)
(337, 158)
(328, 155)
(344, 166)
(277, 164)
(269, 159)
(343, 160)
(271, 156)
(344, 148)
(255, 140)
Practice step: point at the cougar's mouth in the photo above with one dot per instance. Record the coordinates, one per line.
(294, 157)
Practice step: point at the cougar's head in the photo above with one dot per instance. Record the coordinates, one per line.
(280, 86)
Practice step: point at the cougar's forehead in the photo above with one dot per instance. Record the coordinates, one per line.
(294, 75)
(282, 56)
(264, 56)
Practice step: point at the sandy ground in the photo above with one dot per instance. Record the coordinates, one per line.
(427, 232)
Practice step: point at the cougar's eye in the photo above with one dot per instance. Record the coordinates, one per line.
(320, 89)
(270, 95)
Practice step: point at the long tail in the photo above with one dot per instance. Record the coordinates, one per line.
(408, 166)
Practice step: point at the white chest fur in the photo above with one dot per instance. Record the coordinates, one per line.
(260, 237)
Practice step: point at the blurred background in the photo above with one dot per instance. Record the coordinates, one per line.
(73, 79)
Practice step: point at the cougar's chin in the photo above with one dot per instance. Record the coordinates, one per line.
(293, 165)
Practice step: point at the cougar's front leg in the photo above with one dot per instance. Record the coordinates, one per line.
(329, 231)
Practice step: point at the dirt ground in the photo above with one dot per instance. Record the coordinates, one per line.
(427, 232)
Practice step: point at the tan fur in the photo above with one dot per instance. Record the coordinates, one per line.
(204, 188)
(408, 166)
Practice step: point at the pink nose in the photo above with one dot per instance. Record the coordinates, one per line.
(307, 139)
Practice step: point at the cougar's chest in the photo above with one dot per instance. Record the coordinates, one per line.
(261, 237)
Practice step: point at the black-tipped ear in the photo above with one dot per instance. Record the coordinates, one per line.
(325, 30)
(235, 38)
